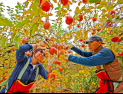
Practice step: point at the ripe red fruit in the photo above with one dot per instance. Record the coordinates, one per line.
(69, 51)
(112, 12)
(94, 19)
(64, 2)
(78, 26)
(80, 18)
(60, 47)
(109, 23)
(28, 54)
(66, 60)
(80, 40)
(84, 1)
(58, 62)
(54, 45)
(83, 45)
(45, 6)
(46, 25)
(51, 77)
(37, 41)
(40, 1)
(13, 48)
(61, 69)
(52, 51)
(120, 54)
(55, 62)
(92, 33)
(115, 39)
(119, 40)
(69, 20)
(94, 29)
(98, 30)
(97, 3)
(24, 40)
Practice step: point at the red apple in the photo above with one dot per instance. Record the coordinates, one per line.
(53, 50)
(98, 30)
(83, 45)
(78, 26)
(94, 19)
(112, 12)
(64, 2)
(80, 40)
(46, 25)
(84, 1)
(80, 18)
(51, 77)
(92, 33)
(120, 54)
(69, 20)
(45, 6)
(61, 69)
(109, 23)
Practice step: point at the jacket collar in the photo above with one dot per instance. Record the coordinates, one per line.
(98, 49)
(32, 64)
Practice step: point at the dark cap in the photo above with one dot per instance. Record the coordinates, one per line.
(94, 37)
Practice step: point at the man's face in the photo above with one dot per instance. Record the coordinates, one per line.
(93, 45)
(39, 56)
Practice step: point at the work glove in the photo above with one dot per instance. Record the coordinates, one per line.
(67, 47)
(51, 59)
(42, 43)
(66, 55)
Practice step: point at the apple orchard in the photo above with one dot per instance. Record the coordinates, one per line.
(91, 17)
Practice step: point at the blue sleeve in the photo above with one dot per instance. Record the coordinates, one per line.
(80, 52)
(43, 72)
(3, 90)
(102, 57)
(20, 53)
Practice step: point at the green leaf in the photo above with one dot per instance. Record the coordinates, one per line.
(35, 9)
(120, 2)
(94, 1)
(111, 6)
(17, 39)
(99, 6)
(21, 24)
(116, 31)
(33, 29)
(26, 3)
(121, 38)
(104, 3)
(120, 52)
(95, 15)
(5, 22)
(2, 42)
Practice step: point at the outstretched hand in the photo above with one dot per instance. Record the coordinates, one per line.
(66, 55)
(42, 44)
(51, 59)
(67, 47)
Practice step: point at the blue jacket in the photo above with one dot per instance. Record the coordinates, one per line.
(29, 74)
(101, 57)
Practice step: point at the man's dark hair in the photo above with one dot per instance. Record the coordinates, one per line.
(36, 50)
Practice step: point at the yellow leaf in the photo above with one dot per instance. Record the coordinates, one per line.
(76, 37)
(43, 14)
(50, 14)
(36, 18)
(70, 26)
(26, 32)
(55, 1)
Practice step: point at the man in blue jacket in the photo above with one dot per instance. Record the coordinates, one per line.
(106, 62)
(102, 57)
(33, 69)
